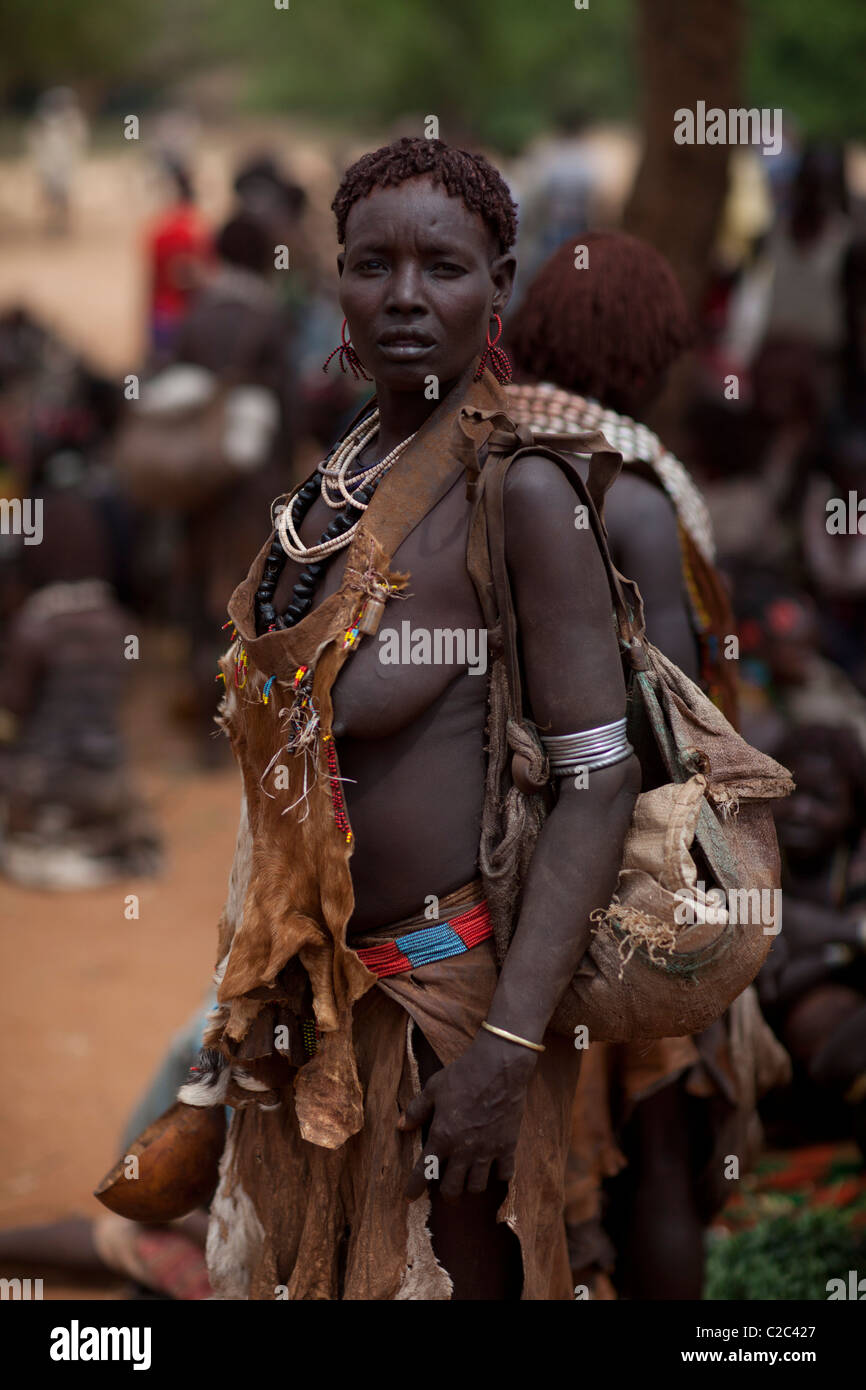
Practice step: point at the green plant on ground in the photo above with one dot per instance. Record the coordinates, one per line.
(789, 1257)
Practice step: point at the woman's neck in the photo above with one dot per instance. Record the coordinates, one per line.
(401, 413)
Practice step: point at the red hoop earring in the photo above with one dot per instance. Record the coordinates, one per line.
(500, 366)
(347, 354)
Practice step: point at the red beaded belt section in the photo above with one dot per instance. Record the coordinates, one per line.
(460, 933)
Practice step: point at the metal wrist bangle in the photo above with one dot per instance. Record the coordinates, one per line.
(512, 1037)
(592, 765)
(590, 749)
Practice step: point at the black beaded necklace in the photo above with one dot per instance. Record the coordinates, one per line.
(267, 617)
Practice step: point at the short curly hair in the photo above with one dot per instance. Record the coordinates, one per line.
(463, 175)
(604, 331)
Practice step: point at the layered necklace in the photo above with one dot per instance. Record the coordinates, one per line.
(349, 493)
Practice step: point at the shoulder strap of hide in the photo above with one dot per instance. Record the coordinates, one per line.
(487, 533)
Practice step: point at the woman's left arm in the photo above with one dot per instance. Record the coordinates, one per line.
(574, 682)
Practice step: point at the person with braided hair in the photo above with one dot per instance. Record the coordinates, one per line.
(400, 1108)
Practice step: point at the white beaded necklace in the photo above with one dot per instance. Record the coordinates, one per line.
(336, 493)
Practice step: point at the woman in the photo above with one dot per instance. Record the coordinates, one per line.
(417, 1089)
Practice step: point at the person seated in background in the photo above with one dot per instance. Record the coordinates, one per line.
(785, 679)
(69, 817)
(813, 985)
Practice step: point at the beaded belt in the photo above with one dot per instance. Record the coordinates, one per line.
(460, 933)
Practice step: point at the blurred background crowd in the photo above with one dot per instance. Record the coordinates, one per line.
(167, 273)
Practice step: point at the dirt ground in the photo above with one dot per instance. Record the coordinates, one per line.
(90, 999)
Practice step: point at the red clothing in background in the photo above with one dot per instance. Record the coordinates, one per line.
(178, 240)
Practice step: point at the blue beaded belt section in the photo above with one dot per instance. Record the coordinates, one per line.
(460, 933)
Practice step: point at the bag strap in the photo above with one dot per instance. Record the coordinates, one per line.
(605, 464)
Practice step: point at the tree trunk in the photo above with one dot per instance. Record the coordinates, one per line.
(686, 53)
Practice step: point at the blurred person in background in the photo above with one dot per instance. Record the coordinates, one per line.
(794, 284)
(237, 296)
(175, 135)
(57, 137)
(792, 337)
(592, 346)
(264, 192)
(177, 250)
(808, 250)
(270, 197)
(57, 416)
(314, 317)
(70, 815)
(556, 184)
(239, 333)
(754, 457)
(52, 399)
(833, 540)
(784, 678)
(813, 984)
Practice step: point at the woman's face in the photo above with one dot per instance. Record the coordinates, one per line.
(419, 281)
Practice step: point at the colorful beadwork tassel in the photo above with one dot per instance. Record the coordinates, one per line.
(340, 817)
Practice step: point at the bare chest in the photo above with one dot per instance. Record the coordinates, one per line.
(431, 639)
